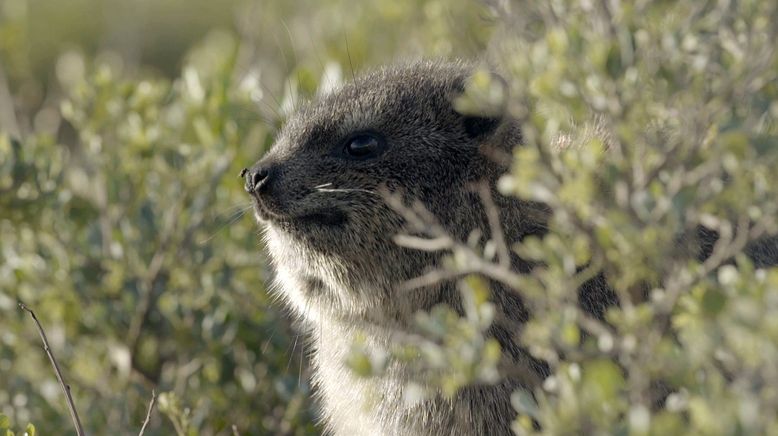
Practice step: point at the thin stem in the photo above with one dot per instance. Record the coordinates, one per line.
(60, 378)
(148, 412)
(493, 215)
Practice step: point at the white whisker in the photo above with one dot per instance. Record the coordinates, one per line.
(347, 190)
(237, 215)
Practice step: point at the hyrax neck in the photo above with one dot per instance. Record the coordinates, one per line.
(354, 405)
(378, 405)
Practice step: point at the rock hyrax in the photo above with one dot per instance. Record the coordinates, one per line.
(329, 233)
(330, 236)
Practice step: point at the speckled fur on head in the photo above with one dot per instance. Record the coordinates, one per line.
(430, 157)
(330, 237)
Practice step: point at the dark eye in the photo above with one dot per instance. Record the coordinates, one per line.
(364, 146)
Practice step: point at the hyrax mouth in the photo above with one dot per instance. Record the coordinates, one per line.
(320, 217)
(329, 217)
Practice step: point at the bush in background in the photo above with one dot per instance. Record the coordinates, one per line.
(686, 94)
(123, 126)
(642, 121)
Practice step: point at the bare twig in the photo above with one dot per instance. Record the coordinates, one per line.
(60, 378)
(155, 269)
(493, 215)
(148, 412)
(439, 240)
(423, 221)
(235, 430)
(432, 278)
(424, 244)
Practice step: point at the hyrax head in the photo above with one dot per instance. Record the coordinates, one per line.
(318, 191)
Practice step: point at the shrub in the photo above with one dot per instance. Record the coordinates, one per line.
(643, 123)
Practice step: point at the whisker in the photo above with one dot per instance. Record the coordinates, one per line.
(239, 209)
(255, 111)
(351, 64)
(235, 217)
(347, 190)
(275, 109)
(264, 347)
(291, 354)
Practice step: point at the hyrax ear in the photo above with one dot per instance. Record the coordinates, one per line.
(480, 99)
(477, 127)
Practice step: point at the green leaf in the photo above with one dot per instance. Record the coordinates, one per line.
(5, 422)
(360, 363)
(524, 403)
(30, 430)
(570, 334)
(603, 377)
(713, 301)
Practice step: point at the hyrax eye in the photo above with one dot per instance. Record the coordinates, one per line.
(363, 146)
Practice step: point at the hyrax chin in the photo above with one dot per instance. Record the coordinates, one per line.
(317, 196)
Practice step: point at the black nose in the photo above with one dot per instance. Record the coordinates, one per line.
(256, 179)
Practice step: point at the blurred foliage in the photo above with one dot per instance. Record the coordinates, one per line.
(686, 102)
(123, 125)
(446, 351)
(642, 122)
(5, 430)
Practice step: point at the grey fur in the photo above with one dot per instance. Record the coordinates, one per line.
(329, 233)
(342, 277)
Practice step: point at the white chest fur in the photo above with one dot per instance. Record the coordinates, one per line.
(353, 405)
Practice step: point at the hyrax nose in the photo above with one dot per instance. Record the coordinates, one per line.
(257, 179)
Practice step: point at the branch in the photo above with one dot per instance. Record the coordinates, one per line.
(493, 215)
(155, 267)
(441, 243)
(60, 378)
(148, 412)
(423, 221)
